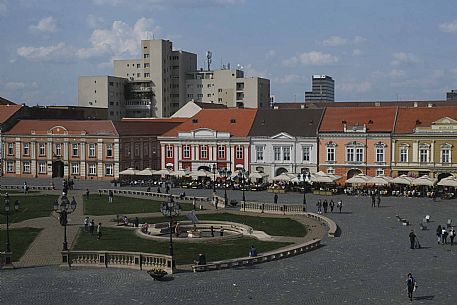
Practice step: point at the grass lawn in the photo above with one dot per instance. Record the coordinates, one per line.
(30, 206)
(270, 225)
(98, 205)
(125, 240)
(20, 240)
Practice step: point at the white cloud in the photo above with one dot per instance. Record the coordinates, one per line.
(448, 27)
(251, 71)
(168, 3)
(397, 73)
(358, 39)
(357, 52)
(3, 7)
(311, 58)
(270, 54)
(334, 41)
(289, 78)
(404, 58)
(357, 87)
(119, 40)
(94, 21)
(45, 25)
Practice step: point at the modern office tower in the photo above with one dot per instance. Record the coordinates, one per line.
(228, 87)
(103, 92)
(323, 89)
(451, 95)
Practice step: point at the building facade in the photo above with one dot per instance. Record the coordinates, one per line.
(285, 141)
(9, 114)
(356, 140)
(322, 89)
(212, 138)
(424, 142)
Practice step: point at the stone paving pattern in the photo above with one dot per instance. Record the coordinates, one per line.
(366, 264)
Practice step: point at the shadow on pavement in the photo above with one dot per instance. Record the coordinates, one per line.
(425, 298)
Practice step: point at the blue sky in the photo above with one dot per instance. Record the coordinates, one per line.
(375, 50)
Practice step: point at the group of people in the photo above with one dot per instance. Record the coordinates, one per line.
(442, 234)
(89, 227)
(324, 205)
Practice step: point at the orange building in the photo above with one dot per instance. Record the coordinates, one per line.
(355, 140)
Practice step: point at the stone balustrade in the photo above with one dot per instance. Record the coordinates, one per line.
(273, 208)
(265, 257)
(117, 259)
(31, 187)
(331, 225)
(155, 196)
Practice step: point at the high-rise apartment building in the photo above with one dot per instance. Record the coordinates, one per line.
(451, 95)
(163, 80)
(323, 89)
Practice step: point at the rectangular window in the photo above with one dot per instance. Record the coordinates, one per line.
(169, 149)
(221, 152)
(137, 149)
(9, 167)
(306, 153)
(58, 150)
(379, 172)
(146, 55)
(74, 149)
(277, 153)
(42, 167)
(145, 149)
(445, 153)
(423, 155)
(75, 168)
(204, 152)
(146, 65)
(259, 152)
(10, 149)
(42, 149)
(349, 154)
(91, 150)
(26, 167)
(359, 154)
(108, 169)
(403, 154)
(330, 154)
(186, 151)
(26, 149)
(286, 153)
(239, 152)
(109, 150)
(92, 169)
(380, 155)
(147, 75)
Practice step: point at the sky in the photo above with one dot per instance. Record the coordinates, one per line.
(374, 50)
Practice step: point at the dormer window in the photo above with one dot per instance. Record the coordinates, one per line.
(232, 121)
(194, 121)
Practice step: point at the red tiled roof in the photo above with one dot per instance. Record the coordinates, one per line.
(376, 119)
(6, 111)
(236, 121)
(91, 127)
(144, 128)
(175, 120)
(410, 117)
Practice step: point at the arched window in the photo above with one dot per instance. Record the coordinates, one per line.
(331, 151)
(424, 153)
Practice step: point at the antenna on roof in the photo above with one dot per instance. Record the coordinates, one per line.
(209, 56)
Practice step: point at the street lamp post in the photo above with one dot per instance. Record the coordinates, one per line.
(242, 175)
(306, 178)
(214, 179)
(7, 209)
(170, 209)
(226, 174)
(64, 209)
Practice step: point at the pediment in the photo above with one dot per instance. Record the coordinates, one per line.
(282, 136)
(204, 132)
(445, 120)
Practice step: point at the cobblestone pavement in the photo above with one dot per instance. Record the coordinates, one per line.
(366, 264)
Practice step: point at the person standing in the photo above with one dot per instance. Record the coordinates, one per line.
(319, 207)
(275, 198)
(411, 285)
(193, 203)
(373, 200)
(332, 205)
(438, 234)
(212, 231)
(452, 235)
(87, 194)
(86, 224)
(221, 231)
(444, 235)
(325, 205)
(110, 196)
(340, 205)
(253, 251)
(92, 227)
(412, 238)
(99, 230)
(378, 199)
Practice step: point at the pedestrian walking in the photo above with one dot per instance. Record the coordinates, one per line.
(91, 227)
(373, 200)
(110, 196)
(340, 205)
(412, 239)
(221, 231)
(444, 235)
(325, 205)
(193, 203)
(452, 235)
(332, 205)
(438, 233)
(319, 207)
(411, 286)
(86, 224)
(87, 194)
(99, 230)
(275, 198)
(216, 202)
(136, 222)
(212, 231)
(378, 200)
